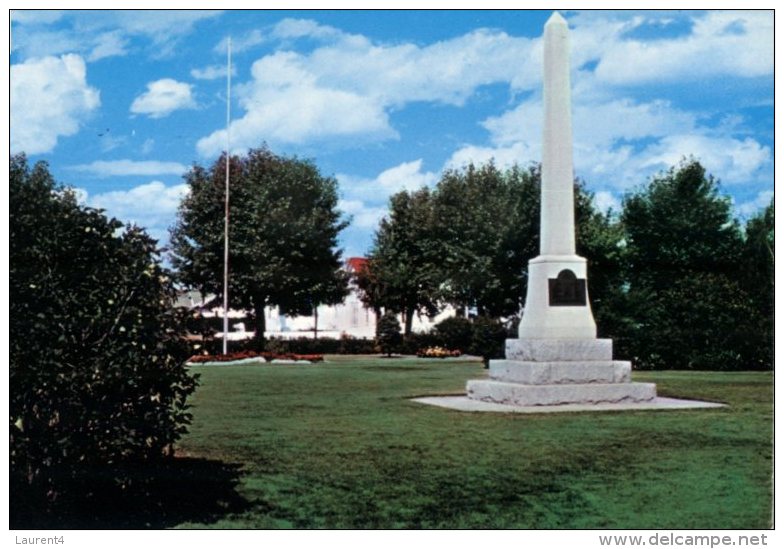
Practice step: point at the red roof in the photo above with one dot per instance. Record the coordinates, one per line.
(356, 264)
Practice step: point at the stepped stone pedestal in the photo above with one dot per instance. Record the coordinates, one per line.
(552, 372)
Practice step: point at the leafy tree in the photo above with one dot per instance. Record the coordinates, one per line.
(757, 278)
(758, 259)
(388, 334)
(469, 241)
(679, 224)
(283, 235)
(370, 287)
(402, 273)
(686, 306)
(599, 239)
(95, 357)
(486, 229)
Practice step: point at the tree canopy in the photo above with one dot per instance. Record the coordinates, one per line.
(486, 229)
(467, 243)
(673, 278)
(284, 225)
(402, 273)
(686, 301)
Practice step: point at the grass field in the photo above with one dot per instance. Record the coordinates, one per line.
(340, 445)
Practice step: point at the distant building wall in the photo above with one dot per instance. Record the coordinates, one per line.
(351, 318)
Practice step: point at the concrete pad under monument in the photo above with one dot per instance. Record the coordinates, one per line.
(465, 404)
(558, 364)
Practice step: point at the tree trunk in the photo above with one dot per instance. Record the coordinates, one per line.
(315, 322)
(377, 312)
(408, 317)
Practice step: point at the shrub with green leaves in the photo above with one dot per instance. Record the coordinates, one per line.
(388, 335)
(97, 373)
(454, 332)
(487, 339)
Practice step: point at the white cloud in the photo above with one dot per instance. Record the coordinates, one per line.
(295, 110)
(111, 168)
(163, 97)
(606, 200)
(735, 161)
(45, 43)
(347, 86)
(762, 200)
(302, 28)
(96, 34)
(108, 44)
(446, 72)
(291, 96)
(620, 142)
(310, 96)
(366, 199)
(36, 16)
(240, 43)
(212, 72)
(364, 221)
(109, 142)
(50, 98)
(734, 43)
(407, 176)
(161, 25)
(362, 215)
(147, 146)
(152, 205)
(503, 156)
(601, 123)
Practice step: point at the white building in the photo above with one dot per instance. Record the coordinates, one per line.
(350, 318)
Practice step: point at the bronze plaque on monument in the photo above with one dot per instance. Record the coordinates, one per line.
(567, 290)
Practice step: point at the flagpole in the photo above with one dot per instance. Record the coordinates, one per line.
(226, 205)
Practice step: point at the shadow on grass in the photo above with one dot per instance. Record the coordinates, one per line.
(158, 496)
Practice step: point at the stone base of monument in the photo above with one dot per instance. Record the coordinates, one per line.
(547, 375)
(549, 372)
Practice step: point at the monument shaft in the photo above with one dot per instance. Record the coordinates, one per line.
(557, 213)
(556, 304)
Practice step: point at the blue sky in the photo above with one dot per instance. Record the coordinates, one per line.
(121, 103)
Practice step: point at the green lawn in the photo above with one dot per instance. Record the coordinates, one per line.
(340, 445)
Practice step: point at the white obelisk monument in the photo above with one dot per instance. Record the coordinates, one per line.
(568, 314)
(557, 358)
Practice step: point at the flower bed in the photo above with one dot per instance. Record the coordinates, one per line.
(437, 352)
(243, 355)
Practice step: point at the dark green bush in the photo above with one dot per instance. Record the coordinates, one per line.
(488, 336)
(356, 346)
(702, 322)
(346, 345)
(454, 333)
(415, 342)
(96, 364)
(388, 336)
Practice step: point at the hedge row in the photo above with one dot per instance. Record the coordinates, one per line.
(480, 336)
